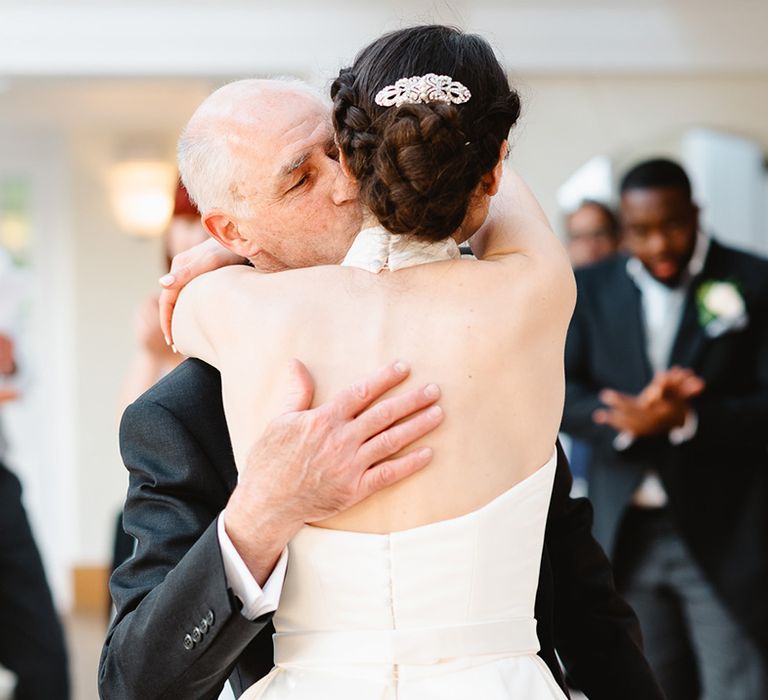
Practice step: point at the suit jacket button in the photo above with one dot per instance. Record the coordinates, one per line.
(209, 618)
(188, 642)
(197, 635)
(203, 625)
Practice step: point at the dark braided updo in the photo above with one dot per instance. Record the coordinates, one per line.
(418, 165)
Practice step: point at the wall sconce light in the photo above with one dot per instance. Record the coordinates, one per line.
(141, 193)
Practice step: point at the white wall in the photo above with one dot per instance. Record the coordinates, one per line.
(568, 119)
(728, 174)
(113, 272)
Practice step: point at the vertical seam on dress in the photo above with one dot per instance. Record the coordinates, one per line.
(395, 670)
(471, 597)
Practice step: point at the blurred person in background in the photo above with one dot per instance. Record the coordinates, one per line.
(32, 642)
(7, 369)
(153, 357)
(592, 233)
(667, 378)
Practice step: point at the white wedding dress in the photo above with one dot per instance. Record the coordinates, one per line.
(436, 612)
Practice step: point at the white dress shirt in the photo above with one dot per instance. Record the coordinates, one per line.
(256, 600)
(662, 308)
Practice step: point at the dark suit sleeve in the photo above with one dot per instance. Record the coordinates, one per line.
(596, 632)
(176, 577)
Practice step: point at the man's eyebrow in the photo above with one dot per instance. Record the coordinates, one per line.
(288, 169)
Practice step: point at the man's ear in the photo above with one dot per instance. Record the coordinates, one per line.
(225, 230)
(491, 181)
(695, 213)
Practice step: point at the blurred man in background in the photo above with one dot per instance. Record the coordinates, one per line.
(592, 232)
(667, 378)
(32, 642)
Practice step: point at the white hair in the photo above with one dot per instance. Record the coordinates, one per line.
(208, 168)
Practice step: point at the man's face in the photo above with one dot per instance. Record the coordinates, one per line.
(301, 209)
(590, 236)
(660, 227)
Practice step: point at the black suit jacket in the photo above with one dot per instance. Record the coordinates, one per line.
(716, 482)
(175, 444)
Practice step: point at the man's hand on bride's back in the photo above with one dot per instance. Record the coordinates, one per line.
(204, 257)
(311, 464)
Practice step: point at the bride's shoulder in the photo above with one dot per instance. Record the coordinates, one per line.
(232, 282)
(537, 275)
(546, 267)
(521, 253)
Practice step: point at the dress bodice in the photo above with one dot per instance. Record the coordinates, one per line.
(429, 601)
(478, 567)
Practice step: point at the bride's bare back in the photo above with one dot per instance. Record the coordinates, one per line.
(489, 332)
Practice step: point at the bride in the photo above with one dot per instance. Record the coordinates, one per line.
(422, 120)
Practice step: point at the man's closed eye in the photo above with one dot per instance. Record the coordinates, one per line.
(300, 183)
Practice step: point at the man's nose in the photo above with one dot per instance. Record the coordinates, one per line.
(658, 242)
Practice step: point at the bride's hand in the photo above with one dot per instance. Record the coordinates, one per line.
(204, 257)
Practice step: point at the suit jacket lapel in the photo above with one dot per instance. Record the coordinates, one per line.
(690, 335)
(630, 330)
(690, 338)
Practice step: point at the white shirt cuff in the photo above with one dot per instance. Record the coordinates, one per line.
(623, 441)
(677, 436)
(256, 600)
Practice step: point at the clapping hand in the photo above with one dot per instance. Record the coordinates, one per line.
(660, 407)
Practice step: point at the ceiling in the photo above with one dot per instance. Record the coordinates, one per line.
(245, 37)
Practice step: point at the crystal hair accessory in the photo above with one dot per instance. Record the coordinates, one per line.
(423, 88)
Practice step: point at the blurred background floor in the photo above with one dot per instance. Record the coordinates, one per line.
(85, 636)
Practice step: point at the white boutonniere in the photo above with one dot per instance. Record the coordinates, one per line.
(721, 307)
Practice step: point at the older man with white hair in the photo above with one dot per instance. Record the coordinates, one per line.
(194, 604)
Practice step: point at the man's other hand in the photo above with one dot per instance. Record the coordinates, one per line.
(311, 464)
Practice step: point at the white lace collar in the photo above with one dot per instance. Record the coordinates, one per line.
(375, 249)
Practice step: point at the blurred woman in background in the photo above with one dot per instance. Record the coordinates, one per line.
(153, 358)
